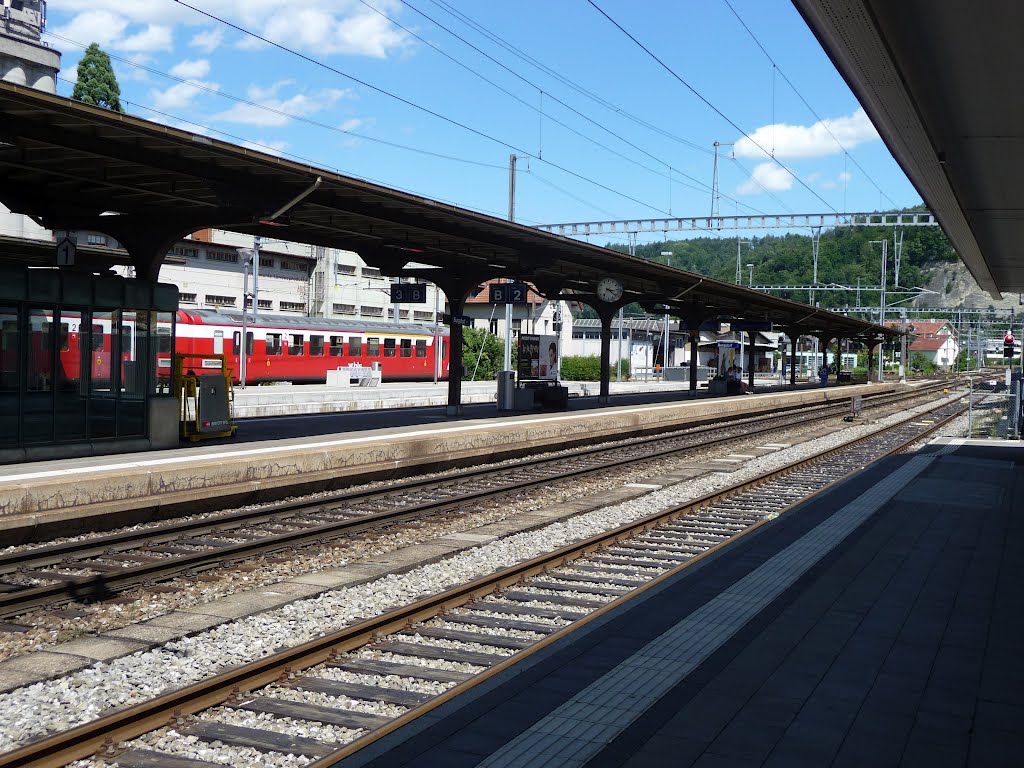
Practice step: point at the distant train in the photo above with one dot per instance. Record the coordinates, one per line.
(303, 349)
(296, 349)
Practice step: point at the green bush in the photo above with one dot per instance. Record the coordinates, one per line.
(587, 368)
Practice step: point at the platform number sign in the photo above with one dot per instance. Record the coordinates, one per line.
(509, 293)
(66, 250)
(408, 293)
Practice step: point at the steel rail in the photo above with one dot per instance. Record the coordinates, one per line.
(91, 737)
(107, 584)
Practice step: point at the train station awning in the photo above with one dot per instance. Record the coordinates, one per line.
(73, 166)
(940, 81)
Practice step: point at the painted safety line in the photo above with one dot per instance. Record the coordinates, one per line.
(584, 725)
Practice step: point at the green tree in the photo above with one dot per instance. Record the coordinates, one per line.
(96, 82)
(491, 357)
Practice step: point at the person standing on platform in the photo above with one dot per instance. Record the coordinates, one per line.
(823, 375)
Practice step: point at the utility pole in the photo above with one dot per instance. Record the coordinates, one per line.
(881, 300)
(256, 242)
(511, 217)
(739, 265)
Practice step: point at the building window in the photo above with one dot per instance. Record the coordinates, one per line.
(219, 301)
(494, 328)
(371, 272)
(187, 298)
(421, 347)
(95, 239)
(292, 266)
(266, 262)
(355, 346)
(345, 269)
(295, 344)
(181, 250)
(316, 345)
(344, 309)
(371, 311)
(229, 256)
(293, 306)
(373, 347)
(265, 304)
(517, 325)
(389, 347)
(417, 315)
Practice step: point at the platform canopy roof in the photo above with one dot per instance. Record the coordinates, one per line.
(76, 167)
(941, 82)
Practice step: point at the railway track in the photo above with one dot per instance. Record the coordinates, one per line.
(329, 697)
(98, 568)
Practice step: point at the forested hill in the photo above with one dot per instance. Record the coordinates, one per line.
(846, 254)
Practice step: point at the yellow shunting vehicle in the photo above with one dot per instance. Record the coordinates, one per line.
(206, 398)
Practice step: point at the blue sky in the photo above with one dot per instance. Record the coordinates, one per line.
(607, 131)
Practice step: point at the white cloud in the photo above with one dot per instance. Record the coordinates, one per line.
(324, 26)
(191, 69)
(845, 176)
(101, 27)
(152, 38)
(802, 141)
(179, 95)
(270, 110)
(351, 124)
(769, 177)
(208, 40)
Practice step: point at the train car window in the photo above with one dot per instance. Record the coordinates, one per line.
(248, 343)
(65, 343)
(421, 347)
(296, 345)
(96, 344)
(273, 343)
(355, 346)
(373, 347)
(337, 348)
(236, 342)
(389, 347)
(126, 342)
(9, 358)
(163, 339)
(316, 345)
(218, 342)
(406, 348)
(40, 351)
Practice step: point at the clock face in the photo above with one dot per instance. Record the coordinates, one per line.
(609, 289)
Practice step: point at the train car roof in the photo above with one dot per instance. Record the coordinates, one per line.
(222, 317)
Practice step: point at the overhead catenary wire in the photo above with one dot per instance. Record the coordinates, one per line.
(206, 129)
(821, 122)
(543, 92)
(538, 110)
(419, 107)
(708, 103)
(273, 110)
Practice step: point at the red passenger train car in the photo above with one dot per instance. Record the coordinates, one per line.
(303, 349)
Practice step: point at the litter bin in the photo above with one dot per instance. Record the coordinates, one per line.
(506, 390)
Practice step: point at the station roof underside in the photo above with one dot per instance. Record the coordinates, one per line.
(940, 82)
(73, 166)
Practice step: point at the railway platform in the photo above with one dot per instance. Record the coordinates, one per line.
(302, 454)
(877, 624)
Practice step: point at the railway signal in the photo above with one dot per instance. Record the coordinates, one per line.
(1008, 346)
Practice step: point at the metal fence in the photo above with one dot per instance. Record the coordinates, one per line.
(995, 409)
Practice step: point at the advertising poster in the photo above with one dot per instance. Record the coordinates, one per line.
(528, 365)
(538, 357)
